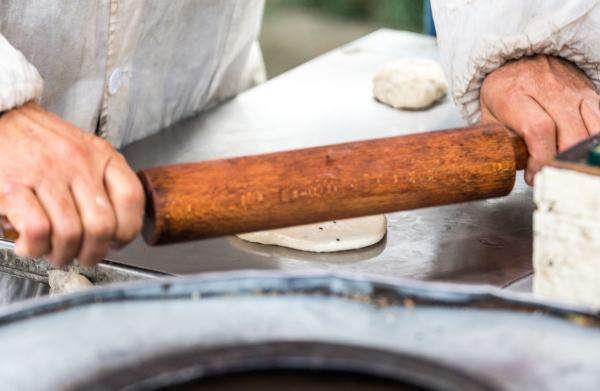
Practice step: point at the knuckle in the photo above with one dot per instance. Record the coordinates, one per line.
(74, 152)
(491, 84)
(131, 195)
(552, 82)
(129, 231)
(45, 160)
(591, 100)
(539, 127)
(7, 187)
(516, 90)
(102, 145)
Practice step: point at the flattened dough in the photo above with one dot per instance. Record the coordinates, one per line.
(410, 83)
(67, 282)
(331, 236)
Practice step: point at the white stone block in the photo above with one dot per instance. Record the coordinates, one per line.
(566, 256)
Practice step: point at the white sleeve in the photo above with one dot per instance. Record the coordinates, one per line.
(478, 36)
(20, 81)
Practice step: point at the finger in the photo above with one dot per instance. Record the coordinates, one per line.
(97, 219)
(590, 112)
(28, 217)
(533, 167)
(127, 197)
(529, 120)
(65, 222)
(569, 124)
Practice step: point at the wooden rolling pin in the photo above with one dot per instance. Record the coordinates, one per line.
(221, 197)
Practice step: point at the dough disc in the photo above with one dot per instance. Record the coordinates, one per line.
(410, 83)
(330, 236)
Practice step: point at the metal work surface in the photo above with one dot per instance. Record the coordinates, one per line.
(505, 340)
(25, 278)
(329, 100)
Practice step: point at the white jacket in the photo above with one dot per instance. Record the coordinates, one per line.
(127, 68)
(477, 36)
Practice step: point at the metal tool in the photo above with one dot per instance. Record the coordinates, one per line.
(584, 153)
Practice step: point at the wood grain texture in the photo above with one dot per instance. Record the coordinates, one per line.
(221, 197)
(520, 149)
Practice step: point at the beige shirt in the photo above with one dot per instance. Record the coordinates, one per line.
(127, 68)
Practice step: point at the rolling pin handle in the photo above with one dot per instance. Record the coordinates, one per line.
(253, 193)
(520, 148)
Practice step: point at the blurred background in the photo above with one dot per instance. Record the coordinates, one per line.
(294, 31)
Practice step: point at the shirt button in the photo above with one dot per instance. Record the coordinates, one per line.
(114, 81)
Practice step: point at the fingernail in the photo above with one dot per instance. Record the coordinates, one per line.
(529, 178)
(53, 262)
(115, 245)
(82, 263)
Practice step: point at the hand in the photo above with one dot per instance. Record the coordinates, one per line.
(548, 101)
(69, 194)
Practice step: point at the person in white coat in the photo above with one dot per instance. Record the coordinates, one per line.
(81, 78)
(115, 71)
(533, 66)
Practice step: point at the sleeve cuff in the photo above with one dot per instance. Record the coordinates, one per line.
(492, 55)
(476, 37)
(20, 81)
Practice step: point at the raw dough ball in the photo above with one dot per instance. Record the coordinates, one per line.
(410, 83)
(67, 282)
(331, 236)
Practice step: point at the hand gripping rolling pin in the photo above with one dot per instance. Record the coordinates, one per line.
(252, 193)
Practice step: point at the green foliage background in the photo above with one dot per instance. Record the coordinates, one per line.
(399, 14)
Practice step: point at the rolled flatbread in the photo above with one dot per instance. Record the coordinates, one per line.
(339, 235)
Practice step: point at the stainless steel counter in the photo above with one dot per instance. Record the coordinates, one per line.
(329, 100)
